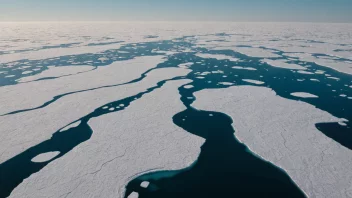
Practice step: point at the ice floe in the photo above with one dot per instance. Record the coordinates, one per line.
(73, 125)
(57, 72)
(244, 68)
(257, 82)
(117, 72)
(44, 157)
(282, 63)
(303, 95)
(333, 78)
(133, 195)
(218, 57)
(61, 113)
(145, 184)
(185, 65)
(121, 149)
(284, 133)
(188, 86)
(226, 83)
(304, 72)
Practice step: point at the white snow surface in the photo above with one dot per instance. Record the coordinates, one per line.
(251, 51)
(73, 125)
(282, 64)
(117, 72)
(283, 132)
(305, 72)
(293, 39)
(244, 68)
(145, 184)
(226, 83)
(218, 57)
(257, 82)
(133, 195)
(304, 95)
(119, 150)
(38, 125)
(45, 156)
(57, 72)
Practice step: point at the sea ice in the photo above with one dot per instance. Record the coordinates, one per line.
(257, 82)
(252, 51)
(120, 149)
(45, 156)
(188, 86)
(334, 78)
(284, 133)
(185, 65)
(282, 64)
(244, 68)
(145, 184)
(73, 125)
(226, 83)
(218, 57)
(133, 195)
(34, 94)
(303, 95)
(27, 72)
(57, 72)
(35, 128)
(304, 72)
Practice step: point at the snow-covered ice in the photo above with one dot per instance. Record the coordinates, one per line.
(283, 64)
(120, 150)
(188, 86)
(253, 81)
(305, 72)
(145, 184)
(73, 125)
(57, 72)
(304, 95)
(34, 127)
(283, 132)
(132, 139)
(117, 72)
(218, 57)
(244, 68)
(45, 156)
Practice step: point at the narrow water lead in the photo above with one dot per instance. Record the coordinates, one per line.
(16, 169)
(207, 74)
(21, 166)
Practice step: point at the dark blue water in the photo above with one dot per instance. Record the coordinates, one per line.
(126, 52)
(13, 171)
(225, 166)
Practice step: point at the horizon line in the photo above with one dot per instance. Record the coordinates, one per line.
(162, 21)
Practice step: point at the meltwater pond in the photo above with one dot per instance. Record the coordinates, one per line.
(225, 166)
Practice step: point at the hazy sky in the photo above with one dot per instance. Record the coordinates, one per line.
(179, 10)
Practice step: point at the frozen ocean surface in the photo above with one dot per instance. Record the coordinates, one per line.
(171, 109)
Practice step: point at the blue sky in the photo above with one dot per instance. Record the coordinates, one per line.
(177, 10)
